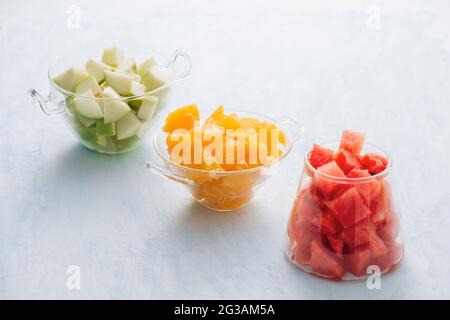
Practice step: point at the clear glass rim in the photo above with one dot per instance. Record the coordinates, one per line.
(224, 173)
(377, 176)
(77, 95)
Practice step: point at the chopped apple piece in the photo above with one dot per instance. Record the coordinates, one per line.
(147, 64)
(109, 93)
(105, 129)
(143, 129)
(127, 126)
(96, 69)
(135, 76)
(101, 140)
(112, 56)
(113, 110)
(154, 78)
(128, 65)
(147, 108)
(137, 89)
(119, 81)
(86, 122)
(69, 79)
(88, 107)
(89, 84)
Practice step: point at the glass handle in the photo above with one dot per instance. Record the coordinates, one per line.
(157, 169)
(187, 66)
(296, 130)
(42, 102)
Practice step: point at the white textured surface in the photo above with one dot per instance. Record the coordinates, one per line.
(135, 235)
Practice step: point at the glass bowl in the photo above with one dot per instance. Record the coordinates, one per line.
(222, 190)
(60, 101)
(345, 228)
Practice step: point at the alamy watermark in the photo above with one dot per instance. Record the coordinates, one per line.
(73, 21)
(73, 281)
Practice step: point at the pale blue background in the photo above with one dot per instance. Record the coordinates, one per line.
(378, 66)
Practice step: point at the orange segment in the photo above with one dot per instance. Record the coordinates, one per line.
(182, 118)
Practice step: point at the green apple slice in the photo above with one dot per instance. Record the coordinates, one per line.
(135, 103)
(113, 110)
(86, 122)
(109, 93)
(112, 56)
(147, 108)
(143, 129)
(121, 82)
(96, 69)
(127, 126)
(154, 78)
(128, 65)
(105, 129)
(87, 134)
(135, 76)
(147, 64)
(88, 107)
(101, 140)
(89, 84)
(69, 79)
(137, 89)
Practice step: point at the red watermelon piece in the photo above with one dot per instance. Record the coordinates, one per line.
(389, 230)
(349, 208)
(377, 245)
(324, 262)
(357, 236)
(329, 225)
(305, 209)
(358, 173)
(390, 259)
(380, 203)
(358, 261)
(369, 189)
(346, 160)
(301, 246)
(374, 162)
(328, 187)
(352, 141)
(336, 243)
(320, 156)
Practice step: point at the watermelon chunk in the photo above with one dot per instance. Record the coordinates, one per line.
(301, 246)
(324, 262)
(329, 225)
(369, 189)
(304, 210)
(374, 162)
(328, 187)
(349, 208)
(390, 259)
(357, 236)
(377, 245)
(320, 156)
(352, 141)
(389, 230)
(358, 173)
(346, 160)
(357, 262)
(380, 203)
(336, 243)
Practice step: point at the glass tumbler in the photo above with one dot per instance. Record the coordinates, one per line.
(345, 228)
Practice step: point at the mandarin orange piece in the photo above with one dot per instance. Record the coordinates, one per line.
(182, 118)
(215, 116)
